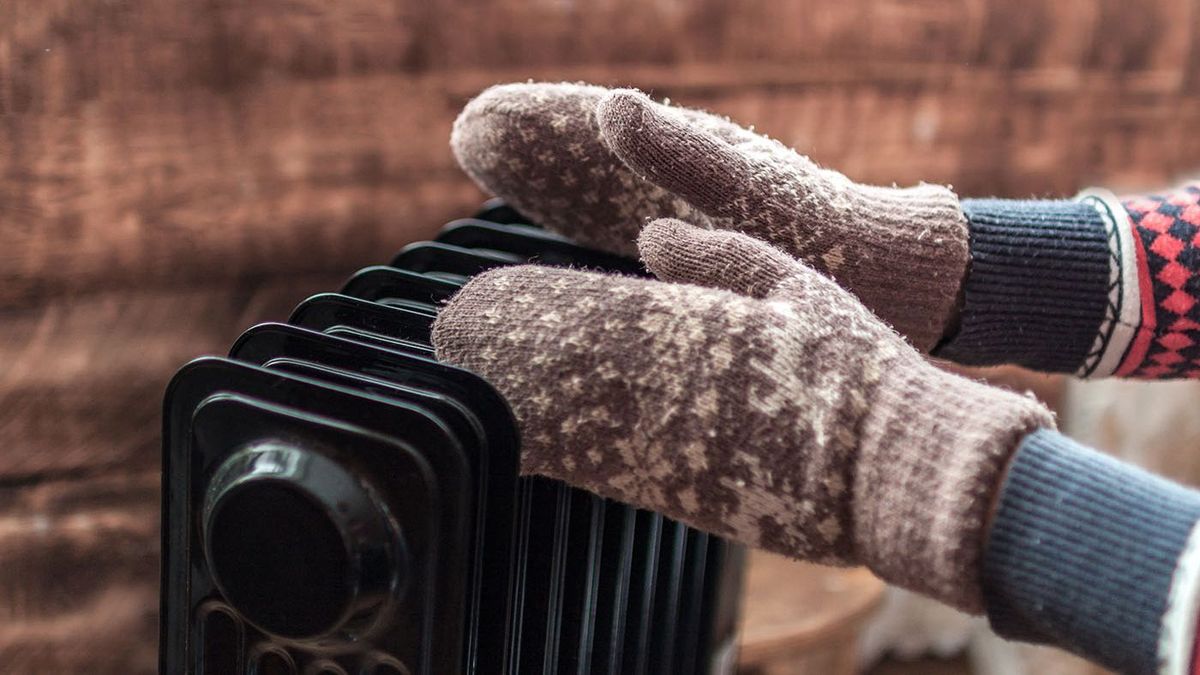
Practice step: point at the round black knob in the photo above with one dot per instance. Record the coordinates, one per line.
(300, 546)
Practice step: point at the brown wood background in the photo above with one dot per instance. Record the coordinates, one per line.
(172, 171)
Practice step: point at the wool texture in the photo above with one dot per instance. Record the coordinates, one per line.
(902, 251)
(1083, 553)
(1038, 288)
(538, 146)
(795, 422)
(595, 165)
(1166, 230)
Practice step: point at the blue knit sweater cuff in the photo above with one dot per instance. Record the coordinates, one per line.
(1082, 552)
(1038, 285)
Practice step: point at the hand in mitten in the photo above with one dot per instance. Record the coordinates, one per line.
(1081, 551)
(595, 165)
(538, 146)
(1052, 285)
(794, 420)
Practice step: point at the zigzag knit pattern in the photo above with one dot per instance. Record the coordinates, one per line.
(1167, 240)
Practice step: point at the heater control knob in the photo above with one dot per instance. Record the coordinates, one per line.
(300, 546)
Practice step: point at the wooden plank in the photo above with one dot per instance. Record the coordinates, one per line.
(79, 576)
(60, 53)
(83, 378)
(800, 619)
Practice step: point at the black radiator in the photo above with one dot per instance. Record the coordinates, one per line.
(335, 501)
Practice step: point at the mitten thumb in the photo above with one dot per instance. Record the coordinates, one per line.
(663, 146)
(678, 252)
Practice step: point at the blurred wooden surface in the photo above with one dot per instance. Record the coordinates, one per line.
(803, 619)
(172, 171)
(60, 538)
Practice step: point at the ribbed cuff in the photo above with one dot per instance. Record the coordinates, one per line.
(1082, 552)
(1037, 287)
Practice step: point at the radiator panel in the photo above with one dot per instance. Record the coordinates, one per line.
(337, 501)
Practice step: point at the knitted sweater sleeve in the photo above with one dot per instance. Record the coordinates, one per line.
(1094, 286)
(1095, 556)
(1166, 254)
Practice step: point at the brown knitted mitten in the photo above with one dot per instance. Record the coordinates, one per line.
(595, 165)
(903, 252)
(797, 422)
(538, 146)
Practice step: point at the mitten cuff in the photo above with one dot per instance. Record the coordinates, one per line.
(1083, 552)
(1038, 285)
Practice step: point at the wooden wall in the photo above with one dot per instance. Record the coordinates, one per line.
(172, 171)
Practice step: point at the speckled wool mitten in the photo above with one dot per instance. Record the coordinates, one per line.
(596, 164)
(798, 423)
(538, 146)
(903, 251)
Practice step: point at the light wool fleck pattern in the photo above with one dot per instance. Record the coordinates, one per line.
(595, 165)
(903, 251)
(538, 146)
(795, 421)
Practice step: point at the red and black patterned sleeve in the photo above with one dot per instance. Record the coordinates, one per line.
(1166, 238)
(1096, 286)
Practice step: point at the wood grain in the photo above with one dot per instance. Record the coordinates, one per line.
(79, 575)
(86, 375)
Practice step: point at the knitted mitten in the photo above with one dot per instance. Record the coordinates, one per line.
(597, 168)
(1053, 285)
(797, 422)
(1083, 552)
(903, 252)
(538, 146)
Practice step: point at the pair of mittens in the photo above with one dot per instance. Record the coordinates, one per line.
(754, 398)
